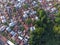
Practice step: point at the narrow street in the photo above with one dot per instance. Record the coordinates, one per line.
(2, 40)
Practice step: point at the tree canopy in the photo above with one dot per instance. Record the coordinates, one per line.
(47, 32)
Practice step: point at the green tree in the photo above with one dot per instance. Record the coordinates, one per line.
(57, 19)
(56, 28)
(28, 21)
(36, 36)
(43, 37)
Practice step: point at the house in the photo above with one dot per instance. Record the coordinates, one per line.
(49, 0)
(1, 6)
(32, 12)
(26, 12)
(2, 28)
(21, 38)
(25, 15)
(40, 0)
(13, 34)
(19, 4)
(53, 9)
(21, 1)
(48, 8)
(34, 3)
(10, 43)
(3, 19)
(32, 28)
(50, 4)
(59, 0)
(8, 29)
(25, 40)
(12, 23)
(36, 18)
(27, 36)
(19, 32)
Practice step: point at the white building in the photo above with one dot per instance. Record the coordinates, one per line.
(10, 43)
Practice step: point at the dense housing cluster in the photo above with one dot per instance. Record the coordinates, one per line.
(18, 17)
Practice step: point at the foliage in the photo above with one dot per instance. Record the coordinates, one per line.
(9, 4)
(47, 31)
(35, 35)
(14, 10)
(28, 21)
(25, 6)
(57, 19)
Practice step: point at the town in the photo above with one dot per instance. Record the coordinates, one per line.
(18, 17)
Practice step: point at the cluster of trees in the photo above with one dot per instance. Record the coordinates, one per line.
(47, 32)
